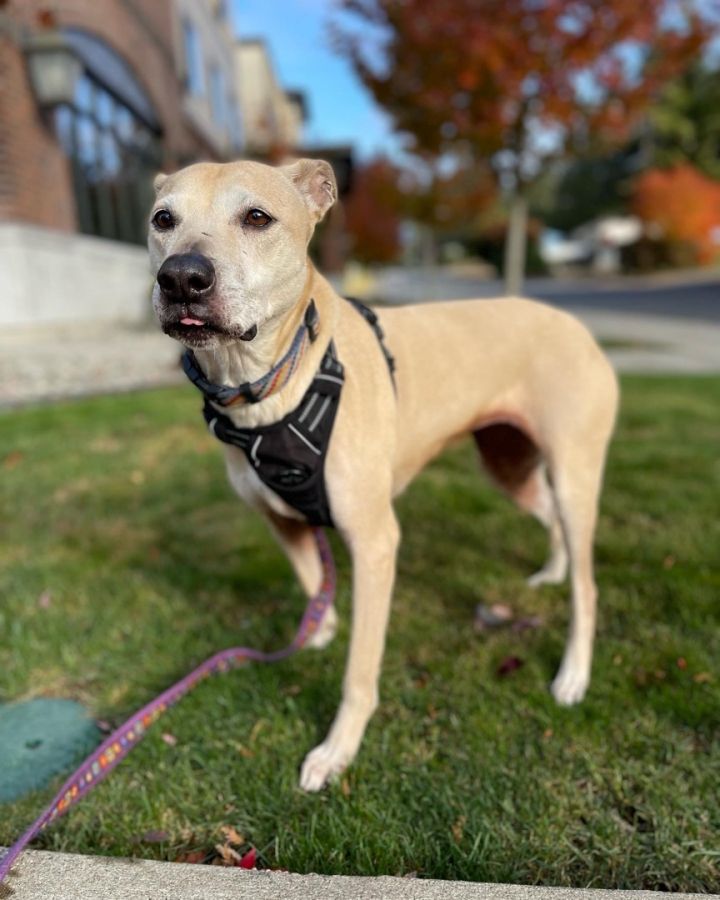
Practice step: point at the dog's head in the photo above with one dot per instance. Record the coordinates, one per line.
(228, 245)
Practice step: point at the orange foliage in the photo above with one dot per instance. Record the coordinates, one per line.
(681, 204)
(479, 73)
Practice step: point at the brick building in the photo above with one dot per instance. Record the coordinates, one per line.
(134, 90)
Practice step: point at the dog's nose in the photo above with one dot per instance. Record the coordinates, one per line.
(186, 277)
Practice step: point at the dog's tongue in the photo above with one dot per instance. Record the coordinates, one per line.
(188, 320)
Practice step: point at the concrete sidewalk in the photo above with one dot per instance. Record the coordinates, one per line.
(40, 875)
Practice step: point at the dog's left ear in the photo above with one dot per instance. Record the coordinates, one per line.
(315, 180)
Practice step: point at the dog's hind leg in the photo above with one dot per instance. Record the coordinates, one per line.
(514, 463)
(296, 539)
(578, 480)
(538, 499)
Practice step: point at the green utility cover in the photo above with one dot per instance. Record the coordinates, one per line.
(40, 739)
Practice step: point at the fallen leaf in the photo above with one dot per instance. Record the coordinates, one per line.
(509, 664)
(345, 787)
(458, 828)
(194, 856)
(249, 859)
(702, 678)
(232, 836)
(669, 562)
(681, 662)
(547, 734)
(227, 856)
(170, 739)
(14, 458)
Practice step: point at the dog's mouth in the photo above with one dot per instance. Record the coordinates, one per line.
(197, 331)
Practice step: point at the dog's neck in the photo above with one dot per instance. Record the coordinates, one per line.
(246, 361)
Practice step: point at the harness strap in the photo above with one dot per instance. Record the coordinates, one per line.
(371, 318)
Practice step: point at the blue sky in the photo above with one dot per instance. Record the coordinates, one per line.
(341, 110)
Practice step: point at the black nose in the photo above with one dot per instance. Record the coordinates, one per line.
(186, 277)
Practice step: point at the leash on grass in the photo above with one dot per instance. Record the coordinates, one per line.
(117, 746)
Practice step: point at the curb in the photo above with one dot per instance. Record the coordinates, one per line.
(41, 875)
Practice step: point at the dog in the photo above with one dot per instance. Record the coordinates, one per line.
(229, 248)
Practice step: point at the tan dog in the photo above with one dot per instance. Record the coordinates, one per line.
(527, 380)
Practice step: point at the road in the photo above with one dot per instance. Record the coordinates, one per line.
(694, 296)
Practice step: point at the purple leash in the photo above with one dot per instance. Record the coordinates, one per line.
(117, 746)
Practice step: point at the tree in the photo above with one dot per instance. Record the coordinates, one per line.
(372, 212)
(685, 123)
(516, 82)
(681, 205)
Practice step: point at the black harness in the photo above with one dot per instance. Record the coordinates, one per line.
(289, 456)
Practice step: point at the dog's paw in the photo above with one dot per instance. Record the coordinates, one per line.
(547, 575)
(320, 765)
(326, 630)
(569, 686)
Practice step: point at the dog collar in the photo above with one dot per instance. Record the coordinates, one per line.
(272, 381)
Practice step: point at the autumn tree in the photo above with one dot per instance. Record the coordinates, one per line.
(372, 212)
(681, 205)
(517, 82)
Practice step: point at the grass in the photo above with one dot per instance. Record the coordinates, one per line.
(116, 513)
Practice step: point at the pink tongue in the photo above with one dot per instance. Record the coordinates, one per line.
(189, 321)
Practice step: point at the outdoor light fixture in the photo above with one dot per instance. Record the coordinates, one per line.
(54, 68)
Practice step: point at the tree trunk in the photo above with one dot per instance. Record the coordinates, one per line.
(516, 244)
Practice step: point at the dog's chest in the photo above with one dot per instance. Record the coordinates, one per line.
(249, 487)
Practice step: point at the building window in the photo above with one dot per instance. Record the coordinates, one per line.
(193, 60)
(217, 95)
(114, 155)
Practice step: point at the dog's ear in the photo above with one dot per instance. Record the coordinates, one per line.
(315, 180)
(159, 181)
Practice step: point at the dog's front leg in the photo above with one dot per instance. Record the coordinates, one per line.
(373, 550)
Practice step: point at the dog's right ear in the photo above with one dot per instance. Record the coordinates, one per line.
(315, 180)
(159, 181)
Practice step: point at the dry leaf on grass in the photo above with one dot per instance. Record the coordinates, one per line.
(509, 665)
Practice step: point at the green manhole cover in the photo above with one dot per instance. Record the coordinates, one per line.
(40, 739)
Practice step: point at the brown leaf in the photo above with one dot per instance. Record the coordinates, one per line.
(194, 856)
(458, 828)
(232, 836)
(227, 856)
(345, 787)
(669, 562)
(13, 459)
(681, 662)
(702, 678)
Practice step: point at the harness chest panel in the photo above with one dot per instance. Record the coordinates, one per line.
(289, 456)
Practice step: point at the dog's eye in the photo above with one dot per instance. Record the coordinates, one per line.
(163, 220)
(257, 218)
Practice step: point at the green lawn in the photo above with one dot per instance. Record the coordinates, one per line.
(116, 512)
